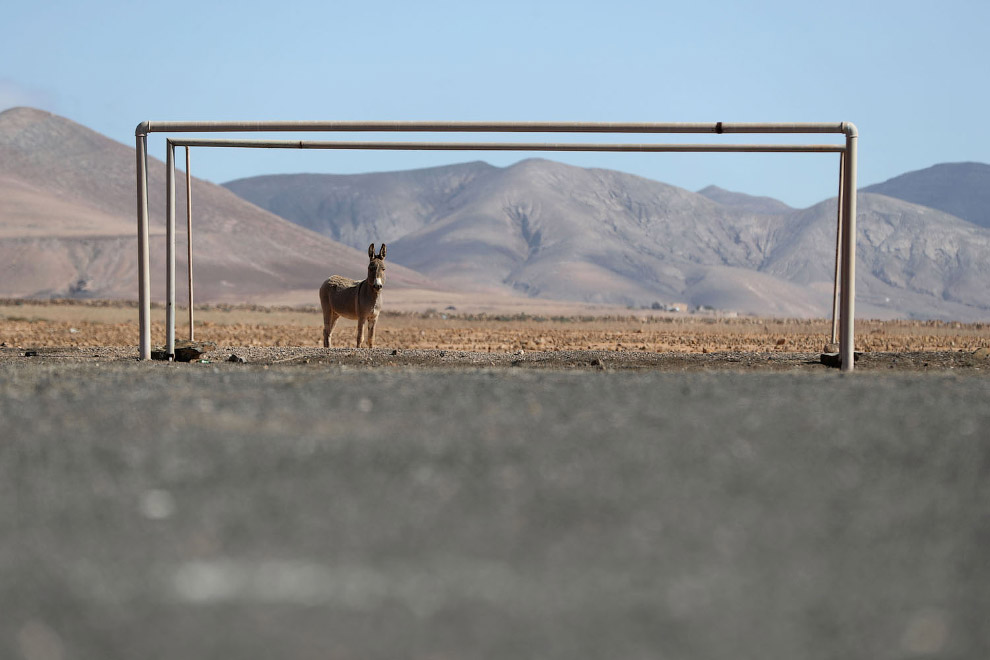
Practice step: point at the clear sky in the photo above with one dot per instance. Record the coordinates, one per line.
(911, 75)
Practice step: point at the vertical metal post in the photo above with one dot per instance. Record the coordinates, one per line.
(838, 250)
(189, 258)
(847, 340)
(169, 250)
(144, 260)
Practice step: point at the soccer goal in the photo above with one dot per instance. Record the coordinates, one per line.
(845, 258)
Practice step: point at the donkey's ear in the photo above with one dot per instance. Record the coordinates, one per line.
(371, 251)
(381, 253)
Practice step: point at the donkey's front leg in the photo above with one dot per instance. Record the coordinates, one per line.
(360, 331)
(371, 332)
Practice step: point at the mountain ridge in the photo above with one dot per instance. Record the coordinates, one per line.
(742, 201)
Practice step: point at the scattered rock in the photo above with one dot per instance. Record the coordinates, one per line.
(982, 353)
(831, 348)
(185, 350)
(238, 359)
(30, 353)
(834, 360)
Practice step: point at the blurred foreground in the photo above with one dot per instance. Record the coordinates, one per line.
(157, 510)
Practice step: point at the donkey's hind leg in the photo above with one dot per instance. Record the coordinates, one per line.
(329, 322)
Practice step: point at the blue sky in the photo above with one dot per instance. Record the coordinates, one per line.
(911, 75)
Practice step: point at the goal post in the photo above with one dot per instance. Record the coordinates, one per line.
(846, 215)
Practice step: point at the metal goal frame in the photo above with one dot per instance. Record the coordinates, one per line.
(844, 294)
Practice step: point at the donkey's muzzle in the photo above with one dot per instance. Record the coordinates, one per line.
(377, 285)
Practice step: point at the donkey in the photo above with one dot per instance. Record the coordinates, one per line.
(342, 296)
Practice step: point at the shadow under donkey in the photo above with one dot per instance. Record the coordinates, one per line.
(361, 301)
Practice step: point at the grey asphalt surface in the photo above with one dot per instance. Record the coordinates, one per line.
(197, 511)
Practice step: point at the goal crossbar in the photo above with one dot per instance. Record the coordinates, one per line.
(507, 146)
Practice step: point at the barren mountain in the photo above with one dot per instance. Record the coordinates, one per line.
(67, 225)
(553, 231)
(544, 229)
(960, 189)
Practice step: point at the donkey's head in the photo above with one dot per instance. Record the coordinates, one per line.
(376, 267)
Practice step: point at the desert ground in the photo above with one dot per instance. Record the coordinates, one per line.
(594, 337)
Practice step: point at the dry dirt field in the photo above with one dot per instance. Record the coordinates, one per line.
(634, 338)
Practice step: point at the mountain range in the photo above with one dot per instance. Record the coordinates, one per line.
(535, 230)
(544, 229)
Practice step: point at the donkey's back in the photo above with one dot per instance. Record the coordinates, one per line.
(340, 294)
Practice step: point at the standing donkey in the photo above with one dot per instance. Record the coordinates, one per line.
(342, 296)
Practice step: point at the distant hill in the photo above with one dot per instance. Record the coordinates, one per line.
(960, 189)
(548, 230)
(67, 225)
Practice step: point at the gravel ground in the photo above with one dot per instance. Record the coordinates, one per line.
(429, 504)
(977, 362)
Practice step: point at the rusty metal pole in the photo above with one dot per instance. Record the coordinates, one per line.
(189, 256)
(838, 252)
(847, 340)
(143, 264)
(169, 250)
